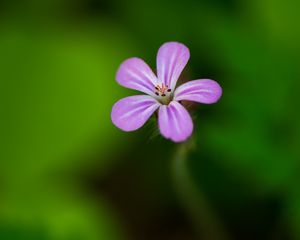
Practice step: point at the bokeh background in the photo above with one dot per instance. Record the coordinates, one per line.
(66, 173)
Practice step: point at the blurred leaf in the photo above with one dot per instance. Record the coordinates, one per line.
(60, 87)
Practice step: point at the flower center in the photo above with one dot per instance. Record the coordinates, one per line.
(163, 92)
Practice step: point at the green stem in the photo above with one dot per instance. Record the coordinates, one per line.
(205, 221)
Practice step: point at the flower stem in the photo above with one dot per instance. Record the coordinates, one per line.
(204, 219)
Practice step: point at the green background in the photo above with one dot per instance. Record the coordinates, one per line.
(67, 173)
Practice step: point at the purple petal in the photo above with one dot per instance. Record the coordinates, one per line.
(202, 91)
(175, 122)
(171, 60)
(131, 113)
(134, 73)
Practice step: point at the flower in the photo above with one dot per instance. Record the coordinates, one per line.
(174, 121)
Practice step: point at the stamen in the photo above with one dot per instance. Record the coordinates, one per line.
(162, 89)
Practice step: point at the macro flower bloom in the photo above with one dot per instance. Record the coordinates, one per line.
(174, 121)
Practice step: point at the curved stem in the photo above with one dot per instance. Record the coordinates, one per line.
(205, 221)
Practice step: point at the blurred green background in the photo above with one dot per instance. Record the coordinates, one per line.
(67, 173)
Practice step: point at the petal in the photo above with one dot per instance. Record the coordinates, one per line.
(131, 113)
(171, 60)
(203, 91)
(175, 122)
(134, 73)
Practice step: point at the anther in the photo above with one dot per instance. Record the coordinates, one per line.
(163, 95)
(169, 90)
(156, 88)
(157, 93)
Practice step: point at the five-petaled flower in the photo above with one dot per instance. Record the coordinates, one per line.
(174, 121)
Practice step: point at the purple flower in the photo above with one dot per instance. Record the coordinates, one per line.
(174, 121)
